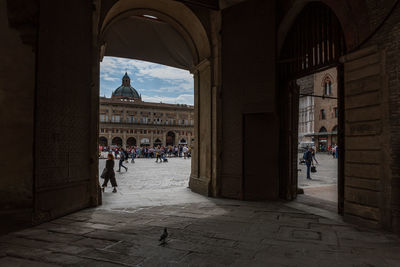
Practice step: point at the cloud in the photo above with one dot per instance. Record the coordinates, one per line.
(155, 82)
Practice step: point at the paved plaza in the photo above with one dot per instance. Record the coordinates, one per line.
(203, 231)
(324, 182)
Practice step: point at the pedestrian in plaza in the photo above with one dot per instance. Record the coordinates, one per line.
(185, 152)
(180, 151)
(308, 157)
(334, 151)
(121, 160)
(133, 155)
(158, 154)
(109, 174)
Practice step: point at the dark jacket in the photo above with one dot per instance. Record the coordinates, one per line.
(110, 168)
(308, 157)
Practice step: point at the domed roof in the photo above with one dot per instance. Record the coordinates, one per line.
(126, 90)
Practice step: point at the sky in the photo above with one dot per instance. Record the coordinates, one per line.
(157, 83)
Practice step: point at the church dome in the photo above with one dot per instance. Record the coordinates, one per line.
(126, 90)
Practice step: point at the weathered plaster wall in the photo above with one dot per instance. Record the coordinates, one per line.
(248, 87)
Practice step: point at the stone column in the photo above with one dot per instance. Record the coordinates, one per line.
(124, 139)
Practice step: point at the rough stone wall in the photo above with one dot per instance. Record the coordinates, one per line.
(388, 40)
(17, 83)
(65, 124)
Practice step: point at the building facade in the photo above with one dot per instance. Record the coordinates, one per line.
(126, 120)
(318, 111)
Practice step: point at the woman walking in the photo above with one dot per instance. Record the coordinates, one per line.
(109, 174)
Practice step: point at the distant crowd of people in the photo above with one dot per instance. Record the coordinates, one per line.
(157, 152)
(331, 149)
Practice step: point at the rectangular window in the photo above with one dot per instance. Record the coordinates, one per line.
(323, 114)
(336, 112)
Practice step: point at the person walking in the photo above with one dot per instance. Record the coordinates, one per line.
(185, 152)
(158, 154)
(121, 160)
(133, 155)
(109, 174)
(334, 151)
(308, 157)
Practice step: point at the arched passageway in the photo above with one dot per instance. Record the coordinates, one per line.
(170, 34)
(157, 142)
(117, 141)
(103, 141)
(170, 140)
(315, 42)
(183, 141)
(131, 141)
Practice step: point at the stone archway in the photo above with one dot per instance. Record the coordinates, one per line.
(117, 141)
(170, 140)
(157, 142)
(131, 141)
(316, 48)
(103, 141)
(183, 141)
(188, 32)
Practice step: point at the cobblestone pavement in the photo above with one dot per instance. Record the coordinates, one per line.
(202, 231)
(324, 182)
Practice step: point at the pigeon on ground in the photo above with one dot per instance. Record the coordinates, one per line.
(163, 237)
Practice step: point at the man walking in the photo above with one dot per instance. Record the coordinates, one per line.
(308, 157)
(122, 156)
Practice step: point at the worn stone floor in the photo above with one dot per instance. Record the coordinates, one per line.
(202, 232)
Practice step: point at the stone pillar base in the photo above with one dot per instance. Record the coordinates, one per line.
(199, 185)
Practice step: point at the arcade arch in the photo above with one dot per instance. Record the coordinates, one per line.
(103, 141)
(170, 140)
(117, 141)
(131, 141)
(168, 26)
(311, 42)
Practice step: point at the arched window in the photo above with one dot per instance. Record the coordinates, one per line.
(327, 86)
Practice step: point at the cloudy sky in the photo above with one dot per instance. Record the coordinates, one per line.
(156, 83)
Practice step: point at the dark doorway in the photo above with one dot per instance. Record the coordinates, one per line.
(259, 183)
(170, 139)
